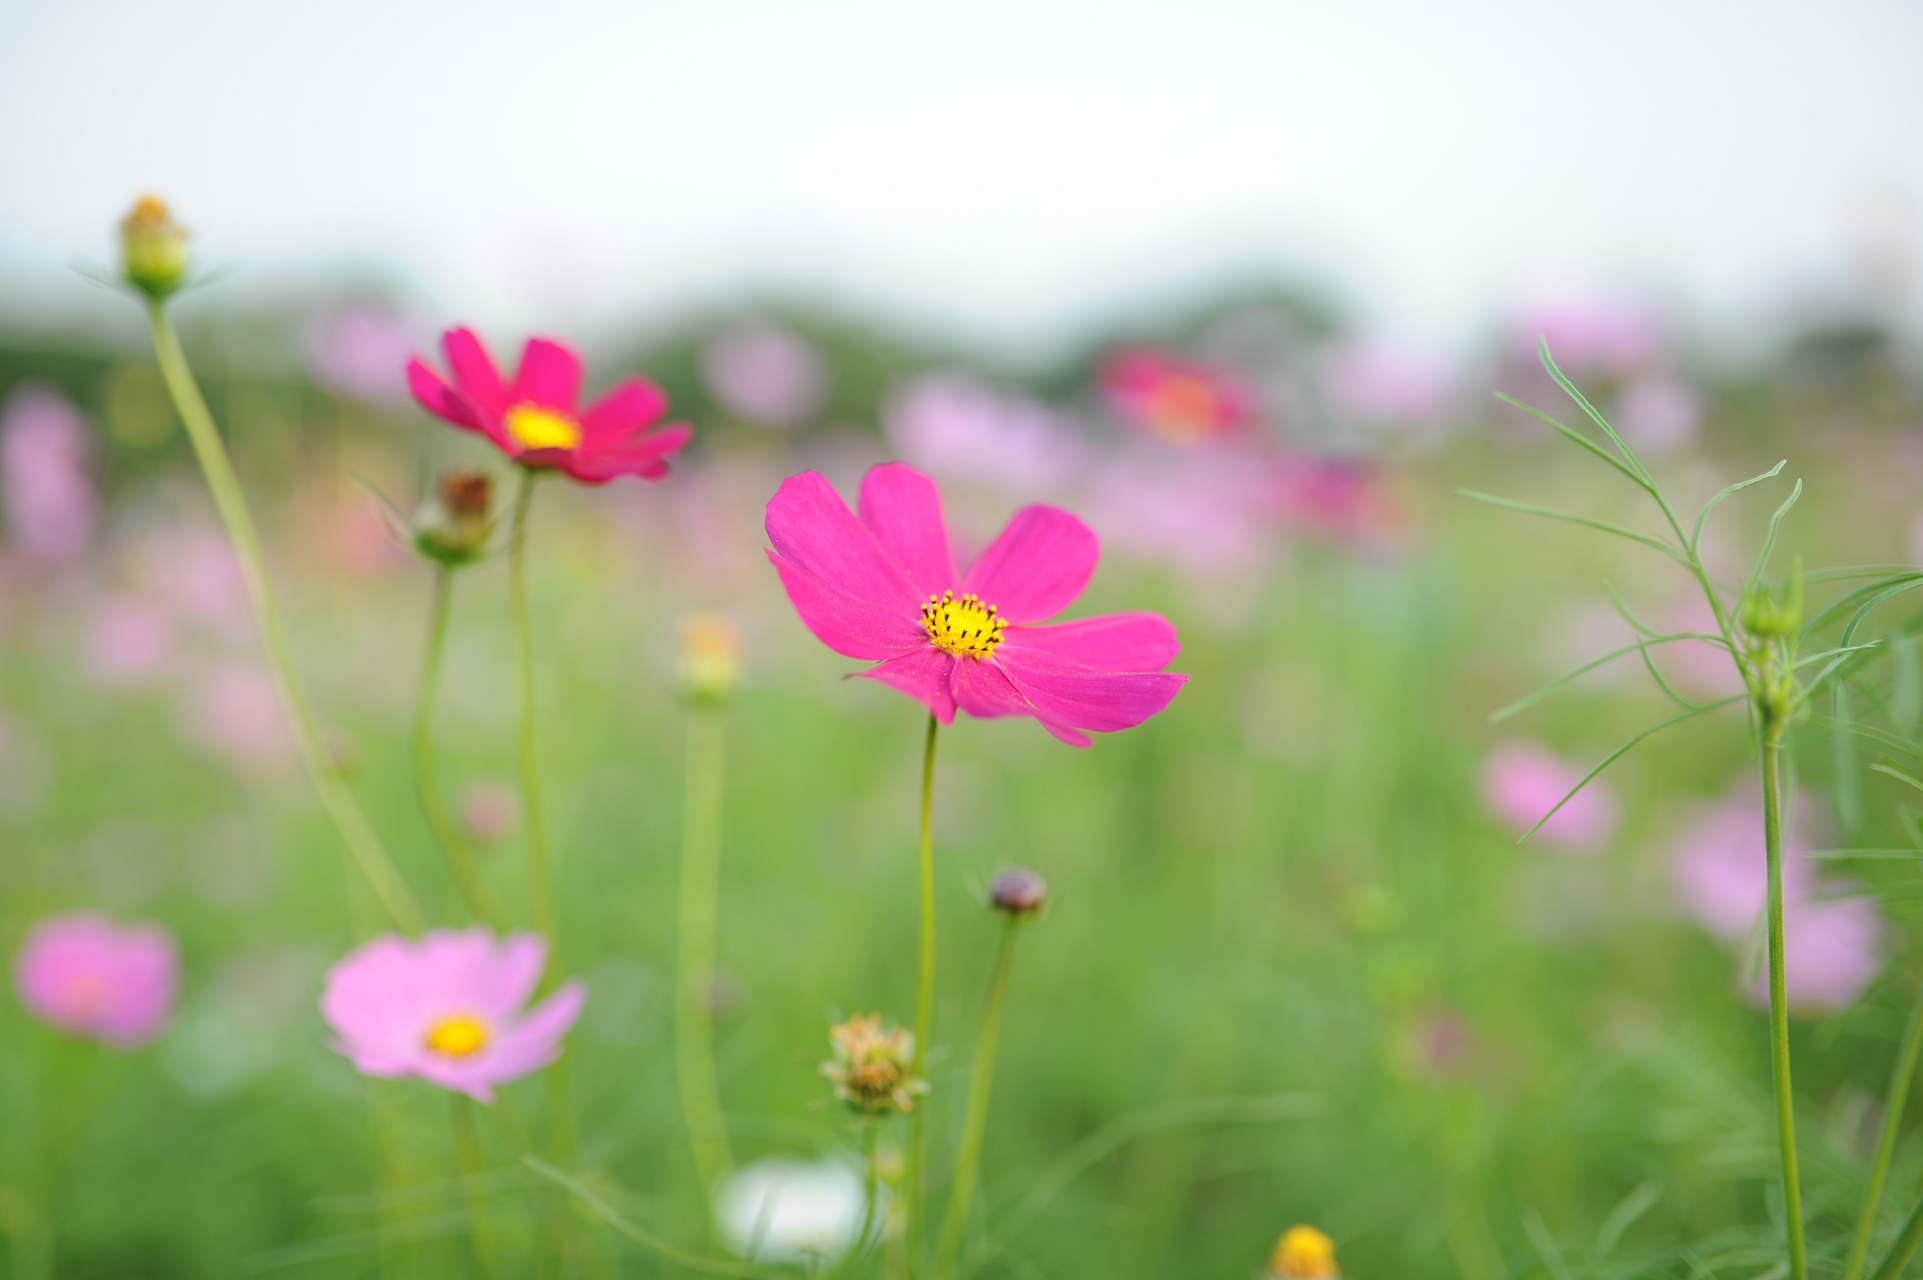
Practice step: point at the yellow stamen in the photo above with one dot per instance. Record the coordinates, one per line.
(533, 427)
(966, 627)
(459, 1036)
(1303, 1253)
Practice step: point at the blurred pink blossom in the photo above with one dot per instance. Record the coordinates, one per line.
(1522, 781)
(1610, 337)
(191, 571)
(1700, 669)
(1375, 382)
(128, 641)
(1201, 511)
(490, 810)
(1658, 415)
(85, 974)
(763, 372)
(236, 713)
(1350, 500)
(44, 474)
(961, 430)
(1830, 953)
(361, 352)
(1173, 397)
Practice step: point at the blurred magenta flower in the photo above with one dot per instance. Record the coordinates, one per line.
(358, 351)
(1521, 781)
(128, 641)
(45, 484)
(764, 373)
(1608, 337)
(448, 1008)
(85, 974)
(883, 586)
(962, 430)
(1172, 397)
(1831, 952)
(1345, 499)
(1380, 384)
(536, 421)
(1204, 511)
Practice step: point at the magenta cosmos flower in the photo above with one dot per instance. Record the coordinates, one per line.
(883, 586)
(535, 419)
(448, 1008)
(85, 974)
(1181, 400)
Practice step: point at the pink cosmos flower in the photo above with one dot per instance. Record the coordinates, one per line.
(448, 1009)
(128, 641)
(883, 586)
(45, 485)
(964, 430)
(1609, 337)
(355, 351)
(1376, 382)
(85, 974)
(536, 421)
(1177, 399)
(1350, 500)
(1830, 954)
(1521, 781)
(764, 373)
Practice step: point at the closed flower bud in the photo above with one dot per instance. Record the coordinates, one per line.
(452, 527)
(710, 658)
(1765, 615)
(1303, 1253)
(1017, 892)
(873, 1064)
(153, 248)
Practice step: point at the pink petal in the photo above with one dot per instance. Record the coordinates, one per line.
(517, 965)
(474, 372)
(815, 532)
(372, 998)
(460, 1077)
(550, 376)
(438, 398)
(902, 508)
(1112, 642)
(642, 455)
(1079, 698)
(982, 690)
(632, 404)
(923, 675)
(1038, 565)
(535, 1040)
(852, 628)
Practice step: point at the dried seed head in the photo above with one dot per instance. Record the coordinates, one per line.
(872, 1065)
(1017, 892)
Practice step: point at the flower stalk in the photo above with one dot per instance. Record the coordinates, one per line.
(467, 1153)
(700, 890)
(975, 1119)
(924, 997)
(1893, 1103)
(1770, 740)
(363, 845)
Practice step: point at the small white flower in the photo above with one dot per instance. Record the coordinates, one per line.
(784, 1210)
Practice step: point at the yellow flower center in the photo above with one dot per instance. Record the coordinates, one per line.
(966, 627)
(459, 1036)
(533, 427)
(1303, 1253)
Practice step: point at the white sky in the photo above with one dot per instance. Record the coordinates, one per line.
(1005, 165)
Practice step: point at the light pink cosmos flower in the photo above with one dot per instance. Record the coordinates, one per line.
(536, 419)
(359, 350)
(884, 587)
(1379, 383)
(448, 1009)
(1609, 337)
(1521, 781)
(1347, 499)
(962, 430)
(128, 641)
(45, 485)
(764, 373)
(1830, 953)
(1172, 397)
(85, 974)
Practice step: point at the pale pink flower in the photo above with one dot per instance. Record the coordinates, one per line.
(45, 482)
(490, 810)
(1522, 781)
(1658, 415)
(192, 572)
(449, 1008)
(128, 641)
(1719, 864)
(1202, 511)
(1348, 500)
(85, 974)
(1830, 953)
(236, 713)
(1381, 384)
(361, 351)
(764, 373)
(961, 430)
(1603, 337)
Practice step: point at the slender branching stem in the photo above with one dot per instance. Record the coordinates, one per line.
(447, 833)
(1893, 1101)
(1770, 747)
(694, 1017)
(924, 1001)
(467, 1152)
(975, 1119)
(540, 881)
(363, 845)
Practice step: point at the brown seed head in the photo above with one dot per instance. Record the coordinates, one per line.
(872, 1066)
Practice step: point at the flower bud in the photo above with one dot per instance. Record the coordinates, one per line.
(153, 248)
(452, 527)
(1766, 615)
(1303, 1253)
(710, 658)
(1017, 892)
(873, 1065)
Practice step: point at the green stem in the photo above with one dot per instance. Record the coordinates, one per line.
(1770, 740)
(694, 1020)
(924, 1004)
(1900, 1252)
(540, 886)
(870, 1182)
(467, 1151)
(362, 844)
(975, 1119)
(460, 854)
(1900, 1076)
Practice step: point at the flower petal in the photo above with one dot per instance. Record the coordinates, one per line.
(1082, 698)
(474, 372)
(852, 628)
(814, 531)
(535, 1040)
(923, 675)
(550, 376)
(644, 455)
(1112, 642)
(902, 508)
(514, 971)
(629, 405)
(982, 690)
(1038, 565)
